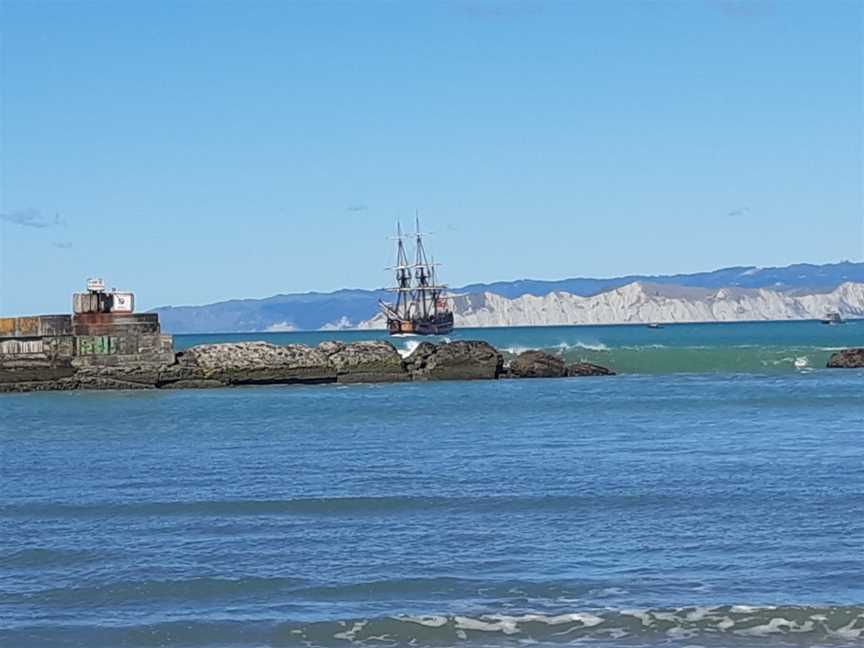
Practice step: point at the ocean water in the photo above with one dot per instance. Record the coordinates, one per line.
(775, 347)
(653, 508)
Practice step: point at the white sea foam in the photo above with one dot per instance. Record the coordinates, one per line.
(679, 624)
(408, 349)
(698, 613)
(350, 634)
(507, 625)
(596, 346)
(681, 633)
(849, 631)
(588, 346)
(587, 619)
(516, 349)
(774, 626)
(561, 347)
(433, 621)
(747, 609)
(725, 623)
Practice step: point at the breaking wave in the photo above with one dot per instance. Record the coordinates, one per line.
(657, 358)
(406, 344)
(560, 348)
(728, 625)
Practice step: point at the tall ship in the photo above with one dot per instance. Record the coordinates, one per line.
(421, 307)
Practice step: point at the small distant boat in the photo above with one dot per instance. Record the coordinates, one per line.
(832, 318)
(420, 308)
(654, 325)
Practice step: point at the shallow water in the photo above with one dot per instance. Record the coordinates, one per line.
(718, 509)
(766, 347)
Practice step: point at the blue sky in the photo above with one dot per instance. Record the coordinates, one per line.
(199, 151)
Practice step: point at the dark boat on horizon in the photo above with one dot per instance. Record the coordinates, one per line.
(421, 307)
(832, 318)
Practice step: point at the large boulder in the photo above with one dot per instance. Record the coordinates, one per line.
(847, 359)
(462, 360)
(418, 359)
(253, 363)
(588, 369)
(368, 361)
(537, 364)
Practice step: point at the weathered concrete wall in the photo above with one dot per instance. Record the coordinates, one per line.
(35, 326)
(91, 350)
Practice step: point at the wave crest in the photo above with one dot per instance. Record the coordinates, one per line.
(728, 625)
(736, 623)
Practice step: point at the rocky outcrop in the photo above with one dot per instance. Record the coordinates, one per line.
(537, 364)
(371, 361)
(847, 359)
(588, 369)
(462, 360)
(254, 363)
(258, 363)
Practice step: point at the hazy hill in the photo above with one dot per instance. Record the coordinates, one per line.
(347, 308)
(813, 278)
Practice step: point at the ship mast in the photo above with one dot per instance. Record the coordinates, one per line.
(403, 277)
(418, 305)
(426, 289)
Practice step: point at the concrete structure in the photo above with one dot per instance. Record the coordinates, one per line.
(96, 335)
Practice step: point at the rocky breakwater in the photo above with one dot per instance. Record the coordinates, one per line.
(461, 360)
(261, 363)
(537, 364)
(847, 359)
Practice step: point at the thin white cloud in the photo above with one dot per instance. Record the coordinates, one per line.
(32, 218)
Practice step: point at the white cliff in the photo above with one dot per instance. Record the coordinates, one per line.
(643, 302)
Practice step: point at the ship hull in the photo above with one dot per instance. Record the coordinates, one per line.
(440, 324)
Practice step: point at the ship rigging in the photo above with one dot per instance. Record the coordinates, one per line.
(420, 308)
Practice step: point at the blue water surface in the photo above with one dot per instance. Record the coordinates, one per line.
(673, 509)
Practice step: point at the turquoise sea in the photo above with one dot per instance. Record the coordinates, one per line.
(772, 347)
(712, 494)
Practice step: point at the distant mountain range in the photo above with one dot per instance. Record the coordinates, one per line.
(355, 308)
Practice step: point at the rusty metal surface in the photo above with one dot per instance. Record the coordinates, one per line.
(35, 326)
(28, 326)
(114, 323)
